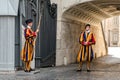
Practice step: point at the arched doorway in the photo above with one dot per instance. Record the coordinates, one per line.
(74, 19)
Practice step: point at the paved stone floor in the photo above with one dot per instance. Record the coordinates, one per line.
(105, 68)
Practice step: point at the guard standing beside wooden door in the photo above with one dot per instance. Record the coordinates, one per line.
(28, 49)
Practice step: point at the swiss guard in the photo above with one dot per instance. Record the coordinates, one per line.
(28, 49)
(86, 40)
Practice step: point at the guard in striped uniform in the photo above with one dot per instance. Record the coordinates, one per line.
(28, 49)
(87, 39)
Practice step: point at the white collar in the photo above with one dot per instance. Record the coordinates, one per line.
(29, 27)
(87, 31)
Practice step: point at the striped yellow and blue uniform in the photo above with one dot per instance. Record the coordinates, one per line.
(86, 51)
(28, 49)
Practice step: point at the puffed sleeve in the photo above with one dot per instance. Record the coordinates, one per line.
(81, 39)
(29, 33)
(92, 41)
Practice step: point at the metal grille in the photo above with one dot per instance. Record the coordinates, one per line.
(46, 43)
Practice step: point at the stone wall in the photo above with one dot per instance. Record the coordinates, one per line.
(68, 41)
(100, 48)
(111, 29)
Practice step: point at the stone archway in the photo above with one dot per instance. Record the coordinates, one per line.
(72, 16)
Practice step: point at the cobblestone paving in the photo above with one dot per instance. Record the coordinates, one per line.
(105, 68)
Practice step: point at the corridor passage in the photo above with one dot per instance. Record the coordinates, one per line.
(104, 68)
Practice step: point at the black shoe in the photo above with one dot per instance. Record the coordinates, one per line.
(79, 70)
(25, 70)
(29, 71)
(88, 70)
(32, 69)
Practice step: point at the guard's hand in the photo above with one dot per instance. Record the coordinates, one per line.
(37, 30)
(85, 43)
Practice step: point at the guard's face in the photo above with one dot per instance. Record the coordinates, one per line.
(87, 28)
(30, 24)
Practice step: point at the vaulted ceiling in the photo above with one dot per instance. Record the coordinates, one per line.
(93, 12)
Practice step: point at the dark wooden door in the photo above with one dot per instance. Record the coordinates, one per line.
(45, 49)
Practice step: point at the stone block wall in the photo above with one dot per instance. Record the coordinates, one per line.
(68, 41)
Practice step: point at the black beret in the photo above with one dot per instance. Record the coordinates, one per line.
(28, 21)
(87, 25)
